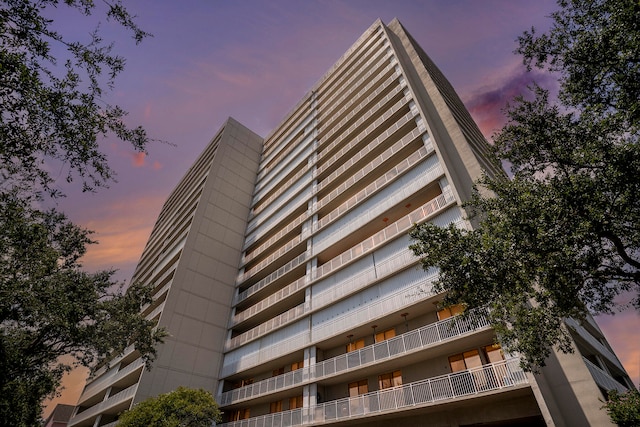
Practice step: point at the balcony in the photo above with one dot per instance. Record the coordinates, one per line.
(118, 401)
(285, 318)
(270, 301)
(603, 379)
(410, 342)
(593, 342)
(109, 378)
(485, 379)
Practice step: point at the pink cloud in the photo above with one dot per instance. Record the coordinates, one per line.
(487, 104)
(621, 330)
(138, 159)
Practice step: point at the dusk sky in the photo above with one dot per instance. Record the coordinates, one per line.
(254, 60)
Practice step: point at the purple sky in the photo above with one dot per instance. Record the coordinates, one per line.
(254, 60)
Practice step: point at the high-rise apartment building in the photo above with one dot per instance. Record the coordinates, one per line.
(282, 271)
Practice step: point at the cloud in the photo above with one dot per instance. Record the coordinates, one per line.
(621, 331)
(138, 159)
(487, 104)
(71, 388)
(122, 229)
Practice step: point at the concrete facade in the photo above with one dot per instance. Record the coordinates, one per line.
(282, 270)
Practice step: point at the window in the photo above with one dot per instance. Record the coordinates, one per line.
(353, 346)
(468, 359)
(358, 387)
(243, 383)
(277, 372)
(494, 353)
(239, 414)
(447, 312)
(391, 379)
(297, 365)
(381, 336)
(275, 407)
(295, 402)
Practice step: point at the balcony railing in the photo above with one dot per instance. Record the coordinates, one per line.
(407, 343)
(272, 299)
(356, 105)
(472, 382)
(603, 379)
(109, 378)
(116, 399)
(292, 225)
(597, 345)
(285, 318)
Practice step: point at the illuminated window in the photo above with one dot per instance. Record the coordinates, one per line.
(297, 365)
(353, 346)
(357, 388)
(239, 414)
(295, 402)
(392, 379)
(468, 359)
(381, 336)
(275, 407)
(447, 312)
(494, 353)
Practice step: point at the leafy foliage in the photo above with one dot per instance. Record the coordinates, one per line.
(49, 308)
(53, 117)
(182, 407)
(52, 107)
(624, 409)
(560, 238)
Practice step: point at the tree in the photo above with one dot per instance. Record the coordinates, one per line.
(49, 307)
(624, 409)
(51, 92)
(182, 407)
(54, 116)
(561, 237)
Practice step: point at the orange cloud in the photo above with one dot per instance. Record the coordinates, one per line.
(138, 159)
(621, 331)
(70, 390)
(121, 229)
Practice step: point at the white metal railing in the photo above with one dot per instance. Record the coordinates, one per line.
(476, 381)
(300, 200)
(363, 278)
(391, 174)
(407, 343)
(266, 327)
(292, 225)
(348, 141)
(349, 110)
(288, 267)
(388, 233)
(270, 259)
(381, 182)
(278, 296)
(155, 311)
(372, 67)
(275, 207)
(116, 399)
(603, 379)
(355, 217)
(109, 378)
(278, 153)
(281, 189)
(351, 60)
